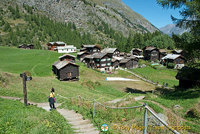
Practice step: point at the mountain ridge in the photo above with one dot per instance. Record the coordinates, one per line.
(173, 29)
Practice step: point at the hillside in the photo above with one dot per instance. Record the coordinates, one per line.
(89, 15)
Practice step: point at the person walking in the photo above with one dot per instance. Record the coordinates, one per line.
(52, 99)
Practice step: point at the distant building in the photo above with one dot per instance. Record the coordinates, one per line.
(25, 46)
(162, 53)
(115, 63)
(126, 63)
(66, 49)
(81, 55)
(188, 77)
(54, 45)
(180, 52)
(111, 52)
(67, 57)
(136, 51)
(134, 61)
(66, 70)
(176, 59)
(101, 61)
(151, 53)
(90, 48)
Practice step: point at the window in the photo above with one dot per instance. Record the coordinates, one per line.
(108, 59)
(97, 59)
(108, 64)
(103, 59)
(97, 65)
(103, 65)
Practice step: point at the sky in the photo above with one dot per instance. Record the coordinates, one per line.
(153, 12)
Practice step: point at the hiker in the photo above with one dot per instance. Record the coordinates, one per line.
(52, 99)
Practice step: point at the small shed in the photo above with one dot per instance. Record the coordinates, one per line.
(136, 51)
(67, 57)
(151, 53)
(66, 70)
(111, 52)
(126, 63)
(115, 63)
(188, 77)
(134, 61)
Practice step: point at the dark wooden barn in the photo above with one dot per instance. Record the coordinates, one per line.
(53, 45)
(115, 63)
(162, 53)
(151, 53)
(67, 57)
(90, 48)
(134, 61)
(136, 51)
(111, 52)
(66, 70)
(188, 77)
(126, 63)
(89, 61)
(81, 55)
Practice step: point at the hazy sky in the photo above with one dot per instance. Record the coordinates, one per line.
(153, 12)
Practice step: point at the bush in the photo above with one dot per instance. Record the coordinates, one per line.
(171, 65)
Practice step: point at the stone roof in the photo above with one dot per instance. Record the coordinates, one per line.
(150, 48)
(80, 53)
(171, 56)
(61, 64)
(109, 50)
(136, 49)
(88, 46)
(162, 51)
(99, 55)
(67, 55)
(124, 60)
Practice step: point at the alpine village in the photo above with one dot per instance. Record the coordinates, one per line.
(97, 67)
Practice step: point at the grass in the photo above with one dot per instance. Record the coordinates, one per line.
(160, 76)
(17, 118)
(37, 62)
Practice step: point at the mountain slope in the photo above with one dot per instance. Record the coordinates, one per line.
(171, 28)
(89, 15)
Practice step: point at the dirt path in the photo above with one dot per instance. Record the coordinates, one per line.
(75, 119)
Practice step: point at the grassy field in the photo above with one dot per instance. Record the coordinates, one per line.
(160, 76)
(91, 85)
(17, 118)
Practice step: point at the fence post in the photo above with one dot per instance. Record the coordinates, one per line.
(103, 99)
(93, 108)
(145, 119)
(79, 101)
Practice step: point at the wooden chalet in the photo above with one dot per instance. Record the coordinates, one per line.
(162, 53)
(115, 63)
(134, 61)
(101, 61)
(188, 77)
(66, 70)
(67, 57)
(53, 46)
(126, 63)
(25, 46)
(174, 58)
(151, 53)
(136, 51)
(90, 48)
(81, 55)
(112, 52)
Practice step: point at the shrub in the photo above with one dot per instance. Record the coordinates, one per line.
(171, 65)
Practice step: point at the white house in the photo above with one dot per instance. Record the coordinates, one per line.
(67, 49)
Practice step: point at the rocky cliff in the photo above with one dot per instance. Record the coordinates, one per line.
(91, 14)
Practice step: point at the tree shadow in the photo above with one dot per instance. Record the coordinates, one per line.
(131, 90)
(178, 93)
